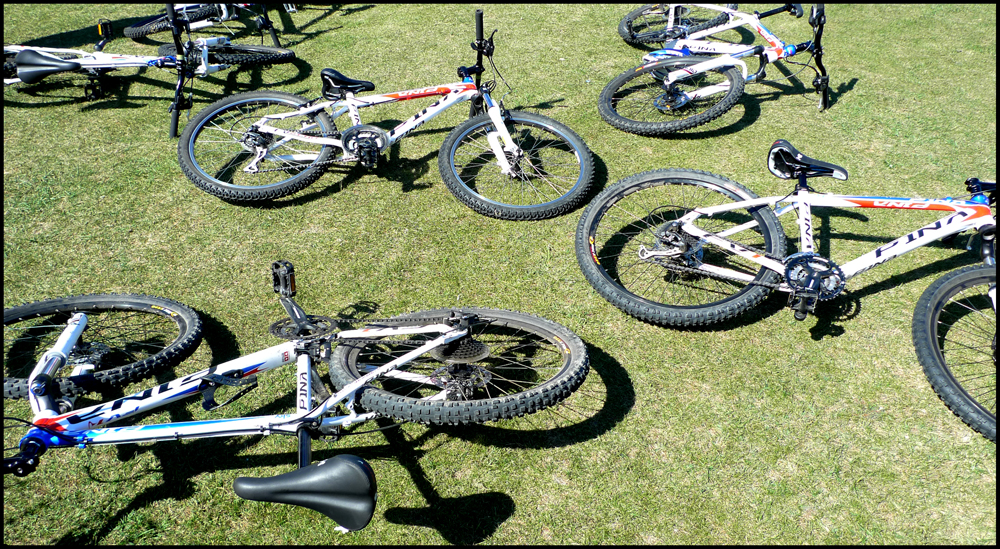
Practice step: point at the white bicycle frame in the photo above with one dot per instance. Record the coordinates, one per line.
(729, 54)
(101, 60)
(967, 215)
(452, 94)
(85, 427)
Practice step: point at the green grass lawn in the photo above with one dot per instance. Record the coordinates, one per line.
(761, 430)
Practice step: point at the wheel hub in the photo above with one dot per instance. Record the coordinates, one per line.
(463, 351)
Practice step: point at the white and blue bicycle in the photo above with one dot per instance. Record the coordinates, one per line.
(444, 366)
(691, 80)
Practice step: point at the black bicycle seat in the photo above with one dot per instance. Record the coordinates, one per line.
(342, 488)
(786, 162)
(33, 66)
(333, 79)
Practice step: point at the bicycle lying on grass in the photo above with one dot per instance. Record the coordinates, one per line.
(501, 163)
(443, 366)
(685, 248)
(692, 81)
(203, 16)
(201, 57)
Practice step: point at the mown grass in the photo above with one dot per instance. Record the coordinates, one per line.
(762, 430)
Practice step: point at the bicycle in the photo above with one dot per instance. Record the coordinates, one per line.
(954, 334)
(199, 58)
(692, 81)
(443, 366)
(501, 163)
(657, 23)
(685, 248)
(202, 16)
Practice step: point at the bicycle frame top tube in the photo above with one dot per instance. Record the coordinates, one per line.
(966, 215)
(77, 427)
(451, 95)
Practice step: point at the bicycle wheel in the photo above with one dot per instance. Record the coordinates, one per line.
(127, 337)
(218, 147)
(638, 102)
(551, 175)
(649, 24)
(511, 364)
(634, 218)
(955, 335)
(240, 55)
(160, 23)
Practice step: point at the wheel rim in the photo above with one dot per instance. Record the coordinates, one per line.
(548, 169)
(966, 340)
(645, 99)
(636, 221)
(113, 338)
(518, 360)
(221, 150)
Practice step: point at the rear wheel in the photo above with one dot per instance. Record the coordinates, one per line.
(510, 364)
(220, 147)
(634, 256)
(240, 55)
(127, 337)
(955, 335)
(160, 23)
(639, 102)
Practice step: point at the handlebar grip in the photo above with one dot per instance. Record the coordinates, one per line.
(170, 13)
(479, 24)
(796, 10)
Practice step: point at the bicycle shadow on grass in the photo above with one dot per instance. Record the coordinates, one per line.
(118, 92)
(846, 306)
(391, 166)
(752, 102)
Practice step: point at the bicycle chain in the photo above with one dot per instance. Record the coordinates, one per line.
(683, 269)
(275, 328)
(318, 133)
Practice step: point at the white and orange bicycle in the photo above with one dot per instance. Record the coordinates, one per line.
(685, 248)
(501, 163)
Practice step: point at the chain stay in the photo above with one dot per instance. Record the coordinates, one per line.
(682, 269)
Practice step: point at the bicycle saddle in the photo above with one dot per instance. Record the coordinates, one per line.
(33, 66)
(786, 162)
(342, 488)
(333, 81)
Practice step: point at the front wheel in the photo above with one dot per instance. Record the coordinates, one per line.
(241, 55)
(223, 154)
(651, 24)
(636, 257)
(551, 172)
(955, 336)
(639, 102)
(127, 338)
(510, 364)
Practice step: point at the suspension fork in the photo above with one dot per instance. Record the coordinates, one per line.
(500, 150)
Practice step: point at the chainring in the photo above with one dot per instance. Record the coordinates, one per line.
(287, 329)
(799, 267)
